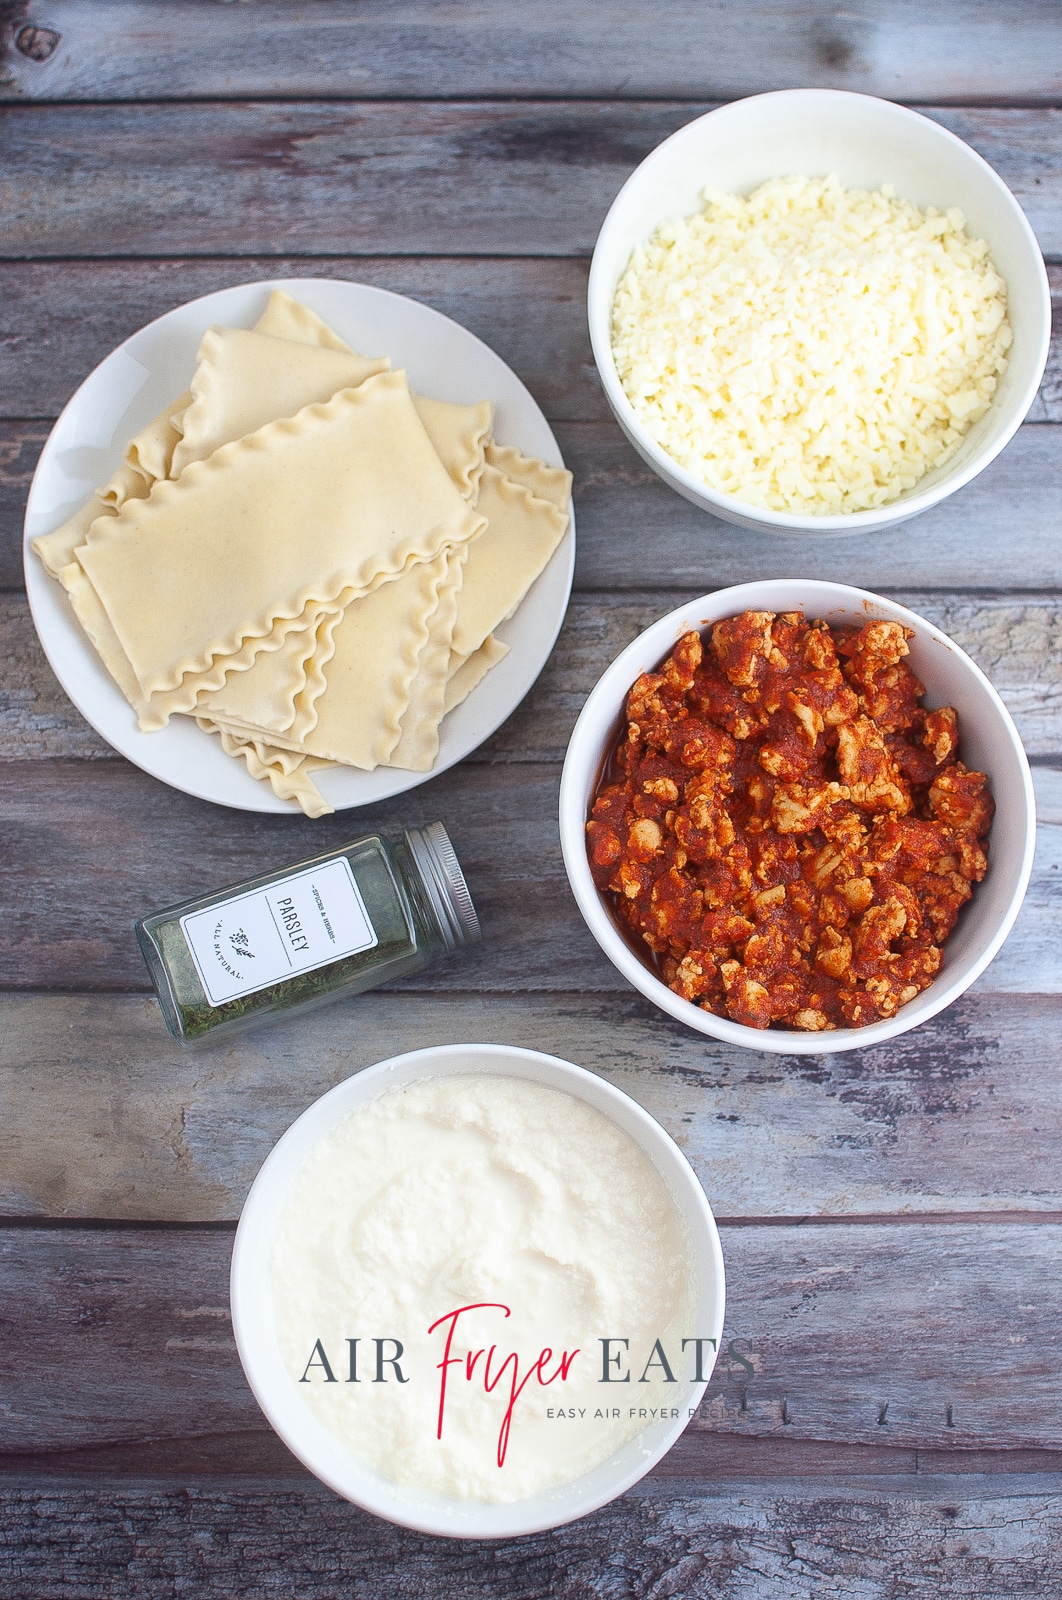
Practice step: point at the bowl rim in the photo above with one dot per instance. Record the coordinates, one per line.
(255, 1343)
(599, 307)
(611, 689)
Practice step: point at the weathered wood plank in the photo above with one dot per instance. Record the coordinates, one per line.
(925, 1538)
(58, 319)
(1047, 407)
(105, 1117)
(122, 1334)
(1017, 641)
(696, 1455)
(326, 178)
(129, 49)
(34, 711)
(109, 844)
(20, 445)
(934, 1539)
(420, 178)
(532, 313)
(928, 1539)
(998, 533)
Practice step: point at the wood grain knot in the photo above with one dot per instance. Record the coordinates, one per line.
(36, 44)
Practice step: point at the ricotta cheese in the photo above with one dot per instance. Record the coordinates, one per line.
(811, 348)
(501, 1195)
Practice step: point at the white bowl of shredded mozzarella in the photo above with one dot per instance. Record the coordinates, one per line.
(817, 311)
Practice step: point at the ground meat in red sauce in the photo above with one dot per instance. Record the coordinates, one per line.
(785, 825)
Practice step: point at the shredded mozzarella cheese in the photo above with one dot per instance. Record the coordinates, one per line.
(811, 348)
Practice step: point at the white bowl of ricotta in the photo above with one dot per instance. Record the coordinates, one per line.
(477, 1290)
(866, 143)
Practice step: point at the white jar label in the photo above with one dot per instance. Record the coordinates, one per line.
(303, 922)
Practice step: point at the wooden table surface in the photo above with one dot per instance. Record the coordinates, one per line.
(887, 1418)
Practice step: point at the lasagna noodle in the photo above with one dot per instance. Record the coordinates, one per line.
(56, 549)
(359, 721)
(147, 457)
(279, 693)
(377, 654)
(287, 772)
(244, 380)
(154, 714)
(465, 673)
(522, 533)
(460, 434)
(96, 624)
(544, 482)
(520, 537)
(150, 452)
(285, 318)
(271, 694)
(386, 651)
(127, 482)
(321, 507)
(418, 746)
(268, 695)
(311, 685)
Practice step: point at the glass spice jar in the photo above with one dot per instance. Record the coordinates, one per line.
(336, 925)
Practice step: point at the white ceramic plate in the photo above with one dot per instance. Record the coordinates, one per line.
(144, 374)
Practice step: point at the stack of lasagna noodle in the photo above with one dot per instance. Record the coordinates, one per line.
(306, 557)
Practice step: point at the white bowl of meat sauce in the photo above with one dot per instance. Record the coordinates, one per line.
(477, 1290)
(815, 345)
(822, 856)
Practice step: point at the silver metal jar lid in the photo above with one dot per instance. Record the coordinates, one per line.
(445, 884)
